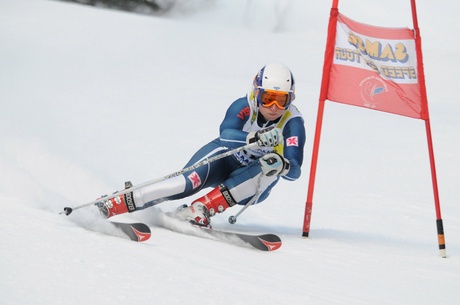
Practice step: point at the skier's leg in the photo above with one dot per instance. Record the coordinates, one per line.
(175, 188)
(242, 185)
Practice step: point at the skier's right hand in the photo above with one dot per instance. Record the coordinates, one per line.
(274, 164)
(268, 137)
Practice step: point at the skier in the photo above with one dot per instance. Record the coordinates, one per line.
(264, 116)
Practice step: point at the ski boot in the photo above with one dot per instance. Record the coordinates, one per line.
(197, 214)
(202, 209)
(117, 205)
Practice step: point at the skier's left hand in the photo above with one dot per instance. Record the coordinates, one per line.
(268, 137)
(274, 164)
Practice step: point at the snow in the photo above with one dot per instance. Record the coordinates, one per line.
(91, 98)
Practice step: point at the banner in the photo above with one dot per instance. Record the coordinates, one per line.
(376, 68)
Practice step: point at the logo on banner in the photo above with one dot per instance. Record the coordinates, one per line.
(195, 179)
(371, 87)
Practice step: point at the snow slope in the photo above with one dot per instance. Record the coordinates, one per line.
(91, 98)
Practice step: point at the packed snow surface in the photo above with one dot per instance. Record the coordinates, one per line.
(91, 98)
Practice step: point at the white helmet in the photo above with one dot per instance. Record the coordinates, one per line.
(274, 78)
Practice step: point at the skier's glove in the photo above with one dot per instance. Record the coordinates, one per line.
(268, 137)
(274, 164)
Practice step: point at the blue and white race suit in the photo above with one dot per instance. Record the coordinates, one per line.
(240, 173)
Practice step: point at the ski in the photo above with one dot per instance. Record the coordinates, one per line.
(135, 231)
(262, 242)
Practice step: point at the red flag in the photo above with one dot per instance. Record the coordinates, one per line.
(376, 68)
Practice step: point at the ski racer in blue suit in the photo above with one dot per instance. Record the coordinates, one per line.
(265, 118)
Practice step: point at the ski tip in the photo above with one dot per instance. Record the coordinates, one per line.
(271, 242)
(141, 235)
(272, 246)
(135, 231)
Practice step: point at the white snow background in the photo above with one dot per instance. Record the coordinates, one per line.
(91, 98)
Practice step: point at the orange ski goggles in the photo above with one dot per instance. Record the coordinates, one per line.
(268, 98)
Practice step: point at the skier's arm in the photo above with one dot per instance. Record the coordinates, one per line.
(231, 134)
(294, 141)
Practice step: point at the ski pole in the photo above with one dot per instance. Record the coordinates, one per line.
(68, 210)
(232, 219)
